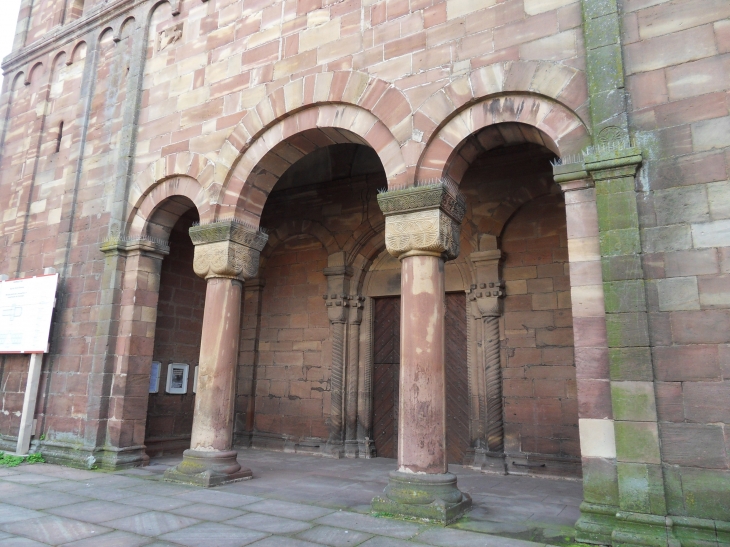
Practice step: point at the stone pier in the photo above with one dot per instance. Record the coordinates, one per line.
(422, 229)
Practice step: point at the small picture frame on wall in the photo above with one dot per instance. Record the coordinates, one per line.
(195, 379)
(155, 377)
(177, 378)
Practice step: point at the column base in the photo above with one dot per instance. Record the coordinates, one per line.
(207, 469)
(643, 529)
(596, 523)
(429, 497)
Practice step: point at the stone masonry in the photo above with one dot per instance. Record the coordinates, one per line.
(214, 181)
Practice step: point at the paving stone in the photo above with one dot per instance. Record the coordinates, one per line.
(46, 499)
(5, 472)
(282, 541)
(62, 472)
(269, 523)
(213, 497)
(108, 494)
(115, 481)
(159, 488)
(370, 524)
(54, 530)
(292, 510)
(13, 513)
(96, 511)
(152, 523)
(158, 503)
(62, 485)
(449, 537)
(9, 490)
(390, 542)
(210, 534)
(111, 539)
(27, 478)
(21, 542)
(207, 512)
(336, 537)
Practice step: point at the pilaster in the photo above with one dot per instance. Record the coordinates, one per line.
(485, 299)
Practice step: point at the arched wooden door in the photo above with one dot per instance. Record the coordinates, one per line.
(386, 368)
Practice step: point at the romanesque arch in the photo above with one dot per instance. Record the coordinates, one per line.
(265, 160)
(182, 174)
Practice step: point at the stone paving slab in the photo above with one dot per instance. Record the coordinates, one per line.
(214, 513)
(334, 537)
(295, 500)
(209, 534)
(53, 530)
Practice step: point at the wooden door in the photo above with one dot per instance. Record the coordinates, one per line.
(386, 368)
(457, 379)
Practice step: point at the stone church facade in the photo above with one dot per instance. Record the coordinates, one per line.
(486, 233)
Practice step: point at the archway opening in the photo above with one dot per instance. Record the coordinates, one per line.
(518, 211)
(298, 373)
(177, 333)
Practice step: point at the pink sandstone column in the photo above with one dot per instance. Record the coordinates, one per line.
(213, 419)
(226, 254)
(422, 229)
(422, 412)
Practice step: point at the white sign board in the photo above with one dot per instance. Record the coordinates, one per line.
(26, 309)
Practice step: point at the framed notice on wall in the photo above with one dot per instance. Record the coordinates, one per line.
(26, 309)
(177, 378)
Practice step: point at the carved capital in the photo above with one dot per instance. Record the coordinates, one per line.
(486, 299)
(486, 294)
(423, 220)
(344, 307)
(227, 249)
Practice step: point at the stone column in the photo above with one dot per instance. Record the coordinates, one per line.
(422, 228)
(353, 367)
(485, 297)
(338, 285)
(226, 254)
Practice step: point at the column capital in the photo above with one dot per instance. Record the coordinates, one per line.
(423, 220)
(227, 249)
(487, 293)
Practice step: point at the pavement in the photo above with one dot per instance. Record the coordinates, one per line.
(294, 500)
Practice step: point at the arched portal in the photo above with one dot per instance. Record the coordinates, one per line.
(177, 333)
(298, 376)
(522, 373)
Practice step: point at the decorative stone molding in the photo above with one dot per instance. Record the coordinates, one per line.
(227, 249)
(423, 220)
(126, 246)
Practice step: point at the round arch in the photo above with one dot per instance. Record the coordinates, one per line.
(273, 152)
(156, 211)
(527, 118)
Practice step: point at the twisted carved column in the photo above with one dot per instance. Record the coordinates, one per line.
(486, 305)
(226, 254)
(337, 301)
(422, 229)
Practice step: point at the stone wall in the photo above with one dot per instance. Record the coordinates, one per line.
(678, 79)
(295, 356)
(541, 409)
